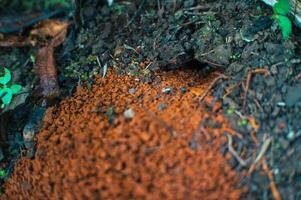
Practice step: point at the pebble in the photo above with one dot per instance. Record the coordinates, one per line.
(183, 90)
(274, 69)
(190, 84)
(30, 130)
(162, 106)
(283, 143)
(281, 104)
(270, 81)
(129, 114)
(290, 135)
(293, 96)
(132, 90)
(166, 90)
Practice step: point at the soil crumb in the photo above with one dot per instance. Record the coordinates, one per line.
(129, 139)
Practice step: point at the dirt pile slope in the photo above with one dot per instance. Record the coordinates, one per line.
(89, 147)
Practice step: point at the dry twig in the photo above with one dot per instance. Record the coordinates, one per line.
(263, 150)
(230, 89)
(233, 152)
(261, 154)
(232, 132)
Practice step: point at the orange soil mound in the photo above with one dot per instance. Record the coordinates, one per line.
(159, 154)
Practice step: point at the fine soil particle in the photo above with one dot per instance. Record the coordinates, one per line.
(87, 149)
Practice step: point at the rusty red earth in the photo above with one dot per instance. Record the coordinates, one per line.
(124, 139)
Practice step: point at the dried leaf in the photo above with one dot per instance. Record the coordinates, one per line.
(49, 29)
(59, 38)
(15, 41)
(16, 88)
(47, 32)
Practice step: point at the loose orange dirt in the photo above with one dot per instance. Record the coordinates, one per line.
(163, 153)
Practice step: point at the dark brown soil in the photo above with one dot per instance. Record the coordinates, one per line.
(87, 149)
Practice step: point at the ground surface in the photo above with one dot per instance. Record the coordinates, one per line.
(164, 152)
(258, 93)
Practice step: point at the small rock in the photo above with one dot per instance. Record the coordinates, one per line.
(110, 113)
(235, 67)
(274, 69)
(183, 90)
(162, 106)
(259, 96)
(290, 135)
(132, 90)
(270, 81)
(166, 90)
(281, 104)
(283, 143)
(190, 84)
(129, 114)
(31, 128)
(249, 50)
(29, 132)
(293, 95)
(221, 55)
(275, 112)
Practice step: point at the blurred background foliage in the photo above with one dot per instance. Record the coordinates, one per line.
(32, 5)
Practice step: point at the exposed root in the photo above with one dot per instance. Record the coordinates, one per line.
(273, 186)
(248, 81)
(221, 76)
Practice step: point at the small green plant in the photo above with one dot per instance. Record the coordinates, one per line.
(30, 5)
(33, 59)
(3, 173)
(281, 9)
(51, 3)
(6, 92)
(242, 122)
(230, 111)
(117, 8)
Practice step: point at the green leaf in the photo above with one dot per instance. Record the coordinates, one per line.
(6, 78)
(2, 173)
(16, 88)
(285, 25)
(33, 59)
(6, 95)
(282, 7)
